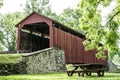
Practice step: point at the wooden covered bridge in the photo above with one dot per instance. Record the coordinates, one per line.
(37, 32)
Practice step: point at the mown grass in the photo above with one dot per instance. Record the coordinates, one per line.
(60, 76)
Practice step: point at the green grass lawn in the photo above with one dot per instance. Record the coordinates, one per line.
(60, 76)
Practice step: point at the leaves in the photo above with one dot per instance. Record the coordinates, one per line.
(70, 17)
(9, 32)
(101, 55)
(97, 33)
(10, 58)
(1, 3)
(105, 2)
(39, 6)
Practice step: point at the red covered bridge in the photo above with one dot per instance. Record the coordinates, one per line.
(37, 32)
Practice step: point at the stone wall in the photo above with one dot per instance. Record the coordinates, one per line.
(112, 66)
(47, 60)
(43, 61)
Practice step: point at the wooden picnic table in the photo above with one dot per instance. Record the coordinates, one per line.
(87, 69)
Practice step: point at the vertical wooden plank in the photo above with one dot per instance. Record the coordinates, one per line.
(51, 36)
(79, 52)
(65, 49)
(77, 49)
(55, 37)
(66, 53)
(73, 53)
(59, 38)
(63, 40)
(70, 47)
(19, 37)
(67, 46)
(83, 50)
(62, 37)
(76, 43)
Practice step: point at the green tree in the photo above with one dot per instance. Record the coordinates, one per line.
(116, 58)
(8, 30)
(1, 36)
(1, 3)
(40, 6)
(70, 17)
(97, 33)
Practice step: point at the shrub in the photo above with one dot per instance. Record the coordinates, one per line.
(10, 58)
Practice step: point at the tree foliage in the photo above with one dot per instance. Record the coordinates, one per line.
(96, 32)
(1, 3)
(10, 58)
(8, 31)
(70, 17)
(40, 6)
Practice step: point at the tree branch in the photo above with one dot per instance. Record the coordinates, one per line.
(99, 1)
(116, 8)
(112, 17)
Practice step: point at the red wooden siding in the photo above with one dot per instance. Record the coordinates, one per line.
(73, 47)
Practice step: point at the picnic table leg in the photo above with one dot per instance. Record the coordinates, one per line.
(83, 74)
(100, 73)
(74, 70)
(88, 73)
(70, 73)
(79, 73)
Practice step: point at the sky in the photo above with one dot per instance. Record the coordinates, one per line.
(106, 11)
(57, 5)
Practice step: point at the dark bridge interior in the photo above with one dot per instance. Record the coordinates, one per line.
(35, 36)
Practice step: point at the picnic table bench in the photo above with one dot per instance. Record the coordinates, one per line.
(87, 69)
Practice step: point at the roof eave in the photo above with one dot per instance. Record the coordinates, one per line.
(72, 30)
